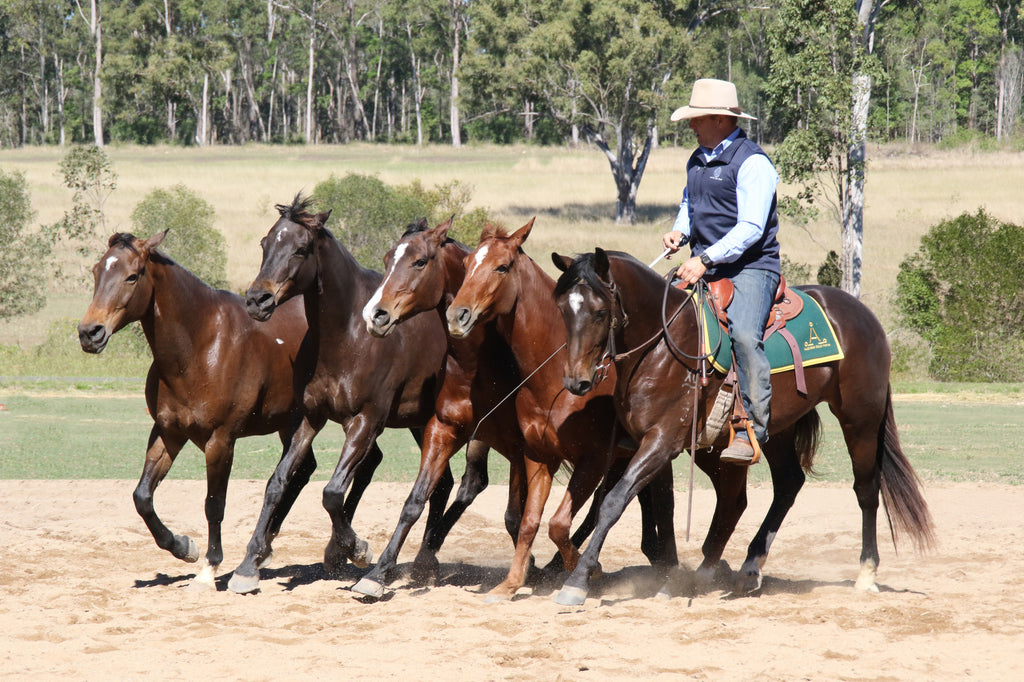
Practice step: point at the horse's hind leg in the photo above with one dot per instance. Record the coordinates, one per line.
(862, 442)
(474, 481)
(159, 457)
(657, 509)
(294, 486)
(787, 480)
(730, 484)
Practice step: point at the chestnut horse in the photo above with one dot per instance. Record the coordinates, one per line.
(612, 306)
(423, 272)
(361, 382)
(503, 285)
(216, 376)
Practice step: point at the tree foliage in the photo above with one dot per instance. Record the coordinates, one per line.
(192, 239)
(368, 215)
(24, 256)
(961, 292)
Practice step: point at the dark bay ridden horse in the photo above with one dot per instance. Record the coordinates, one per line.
(503, 285)
(423, 271)
(357, 380)
(612, 306)
(216, 375)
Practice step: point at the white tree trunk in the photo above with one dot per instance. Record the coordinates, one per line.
(95, 27)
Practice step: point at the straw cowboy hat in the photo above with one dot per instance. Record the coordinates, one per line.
(711, 96)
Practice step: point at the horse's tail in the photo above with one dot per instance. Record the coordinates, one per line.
(904, 502)
(807, 435)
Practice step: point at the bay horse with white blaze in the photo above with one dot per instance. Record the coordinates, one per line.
(423, 271)
(216, 376)
(504, 285)
(361, 382)
(611, 304)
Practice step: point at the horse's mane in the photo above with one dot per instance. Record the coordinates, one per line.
(582, 269)
(126, 240)
(421, 225)
(298, 211)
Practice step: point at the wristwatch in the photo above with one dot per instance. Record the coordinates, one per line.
(705, 261)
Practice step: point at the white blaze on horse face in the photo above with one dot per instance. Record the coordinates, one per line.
(371, 305)
(575, 302)
(478, 259)
(281, 233)
(110, 262)
(279, 342)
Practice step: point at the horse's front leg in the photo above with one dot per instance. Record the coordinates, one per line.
(360, 441)
(652, 456)
(730, 484)
(538, 482)
(585, 478)
(219, 451)
(439, 444)
(160, 454)
(246, 577)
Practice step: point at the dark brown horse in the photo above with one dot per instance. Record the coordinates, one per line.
(503, 285)
(359, 381)
(612, 305)
(216, 375)
(422, 273)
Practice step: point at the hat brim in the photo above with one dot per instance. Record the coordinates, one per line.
(693, 112)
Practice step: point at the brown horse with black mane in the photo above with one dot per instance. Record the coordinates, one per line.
(505, 286)
(216, 376)
(612, 306)
(364, 383)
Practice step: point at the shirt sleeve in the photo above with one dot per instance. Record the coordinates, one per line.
(756, 183)
(682, 223)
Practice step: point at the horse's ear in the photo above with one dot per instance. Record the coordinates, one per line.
(154, 241)
(488, 231)
(601, 264)
(523, 232)
(321, 219)
(561, 262)
(440, 233)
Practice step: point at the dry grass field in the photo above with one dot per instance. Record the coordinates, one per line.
(570, 192)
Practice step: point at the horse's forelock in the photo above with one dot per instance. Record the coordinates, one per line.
(298, 211)
(125, 240)
(415, 227)
(580, 270)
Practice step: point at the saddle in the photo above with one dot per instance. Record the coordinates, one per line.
(728, 408)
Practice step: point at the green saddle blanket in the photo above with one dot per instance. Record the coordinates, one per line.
(815, 339)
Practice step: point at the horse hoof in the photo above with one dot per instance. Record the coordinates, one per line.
(571, 596)
(334, 559)
(496, 598)
(866, 579)
(191, 553)
(266, 562)
(369, 588)
(362, 555)
(425, 570)
(244, 584)
(749, 582)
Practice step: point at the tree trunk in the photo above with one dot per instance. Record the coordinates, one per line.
(96, 29)
(853, 203)
(309, 82)
(454, 111)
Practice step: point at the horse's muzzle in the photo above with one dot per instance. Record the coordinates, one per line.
(259, 304)
(93, 337)
(577, 386)
(460, 321)
(380, 323)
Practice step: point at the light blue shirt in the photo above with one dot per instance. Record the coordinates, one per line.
(756, 182)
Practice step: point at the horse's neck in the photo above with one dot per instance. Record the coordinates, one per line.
(339, 292)
(534, 327)
(174, 319)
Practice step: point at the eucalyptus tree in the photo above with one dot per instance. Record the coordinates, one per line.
(602, 65)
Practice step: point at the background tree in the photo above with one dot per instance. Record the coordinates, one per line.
(961, 292)
(192, 239)
(24, 257)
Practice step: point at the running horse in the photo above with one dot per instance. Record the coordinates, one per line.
(422, 273)
(506, 287)
(357, 380)
(216, 376)
(614, 306)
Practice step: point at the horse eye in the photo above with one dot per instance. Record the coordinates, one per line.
(132, 279)
(420, 263)
(503, 269)
(600, 314)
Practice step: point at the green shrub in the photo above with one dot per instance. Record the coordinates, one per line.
(192, 240)
(961, 292)
(24, 257)
(830, 274)
(368, 216)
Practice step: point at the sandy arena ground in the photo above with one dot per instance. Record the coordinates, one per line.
(86, 594)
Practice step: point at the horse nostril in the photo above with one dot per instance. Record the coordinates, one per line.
(91, 337)
(381, 318)
(463, 316)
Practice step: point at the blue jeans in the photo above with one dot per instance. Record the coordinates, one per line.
(755, 291)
